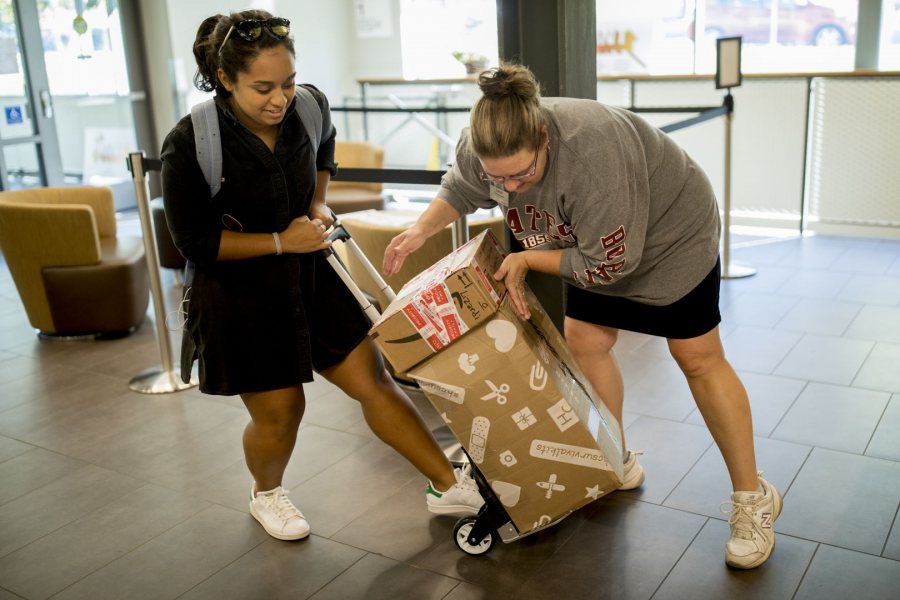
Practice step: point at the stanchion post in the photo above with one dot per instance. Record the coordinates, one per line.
(459, 231)
(165, 380)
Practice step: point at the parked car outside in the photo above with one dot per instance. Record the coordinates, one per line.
(799, 22)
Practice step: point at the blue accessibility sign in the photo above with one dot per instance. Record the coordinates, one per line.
(13, 114)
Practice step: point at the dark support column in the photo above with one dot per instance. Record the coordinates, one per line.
(557, 40)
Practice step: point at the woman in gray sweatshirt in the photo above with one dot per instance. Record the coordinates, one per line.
(596, 195)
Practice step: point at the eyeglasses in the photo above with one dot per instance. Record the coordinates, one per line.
(521, 177)
(252, 29)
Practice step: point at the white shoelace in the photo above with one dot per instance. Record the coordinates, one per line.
(742, 520)
(282, 505)
(464, 479)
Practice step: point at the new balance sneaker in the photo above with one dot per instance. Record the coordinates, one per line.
(752, 537)
(278, 515)
(463, 497)
(634, 472)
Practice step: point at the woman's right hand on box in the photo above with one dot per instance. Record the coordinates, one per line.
(400, 247)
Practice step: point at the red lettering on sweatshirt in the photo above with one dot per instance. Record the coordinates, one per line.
(534, 227)
(605, 271)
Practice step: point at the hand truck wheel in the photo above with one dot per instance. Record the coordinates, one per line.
(461, 537)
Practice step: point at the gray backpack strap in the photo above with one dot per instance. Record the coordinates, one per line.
(205, 120)
(311, 116)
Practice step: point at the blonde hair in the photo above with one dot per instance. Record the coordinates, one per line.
(508, 116)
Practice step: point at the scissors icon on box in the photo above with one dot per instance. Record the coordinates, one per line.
(498, 393)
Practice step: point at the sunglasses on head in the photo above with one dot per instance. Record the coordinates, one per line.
(251, 30)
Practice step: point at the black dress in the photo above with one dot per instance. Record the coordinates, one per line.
(262, 323)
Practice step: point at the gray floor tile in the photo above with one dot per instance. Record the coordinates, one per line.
(766, 280)
(892, 547)
(276, 569)
(352, 486)
(31, 470)
(468, 591)
(872, 289)
(869, 260)
(885, 442)
(670, 450)
(879, 371)
(758, 349)
(701, 572)
(770, 398)
(814, 284)
(760, 310)
(623, 551)
(831, 416)
(175, 561)
(825, 359)
(379, 578)
(10, 448)
(317, 449)
(656, 388)
(879, 323)
(863, 491)
(707, 484)
(5, 595)
(836, 574)
(400, 527)
(333, 409)
(506, 566)
(65, 499)
(823, 317)
(63, 557)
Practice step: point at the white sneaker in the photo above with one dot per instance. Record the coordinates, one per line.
(752, 537)
(634, 472)
(463, 497)
(278, 515)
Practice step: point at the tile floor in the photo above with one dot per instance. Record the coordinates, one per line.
(110, 494)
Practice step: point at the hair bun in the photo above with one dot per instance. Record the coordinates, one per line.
(509, 80)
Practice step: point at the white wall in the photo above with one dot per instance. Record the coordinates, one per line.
(324, 39)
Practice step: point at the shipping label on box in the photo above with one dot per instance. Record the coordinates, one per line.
(507, 392)
(440, 304)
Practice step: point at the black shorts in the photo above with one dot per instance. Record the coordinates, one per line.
(691, 316)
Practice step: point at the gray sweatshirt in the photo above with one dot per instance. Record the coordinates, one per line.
(635, 215)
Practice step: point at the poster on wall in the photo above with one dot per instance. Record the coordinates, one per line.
(373, 18)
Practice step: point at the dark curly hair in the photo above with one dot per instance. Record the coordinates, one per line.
(235, 55)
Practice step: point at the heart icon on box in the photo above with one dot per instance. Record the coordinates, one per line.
(508, 493)
(503, 333)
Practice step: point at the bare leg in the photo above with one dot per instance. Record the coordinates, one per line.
(592, 346)
(390, 413)
(722, 401)
(270, 436)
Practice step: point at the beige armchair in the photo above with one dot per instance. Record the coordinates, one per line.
(75, 276)
(349, 196)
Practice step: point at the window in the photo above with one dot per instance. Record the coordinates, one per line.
(663, 36)
(447, 38)
(889, 56)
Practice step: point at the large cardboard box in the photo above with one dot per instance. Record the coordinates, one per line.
(441, 303)
(511, 393)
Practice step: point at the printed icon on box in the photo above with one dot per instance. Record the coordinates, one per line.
(507, 458)
(563, 415)
(478, 438)
(524, 418)
(551, 486)
(594, 492)
(496, 393)
(542, 522)
(508, 493)
(503, 333)
(538, 379)
(467, 362)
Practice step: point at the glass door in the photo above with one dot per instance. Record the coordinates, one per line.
(84, 53)
(29, 148)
